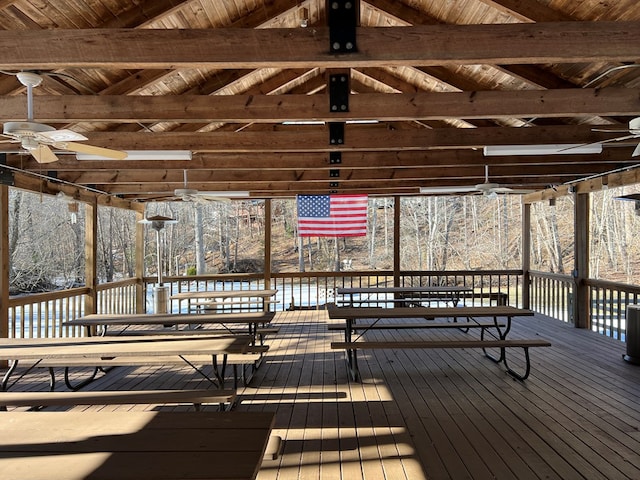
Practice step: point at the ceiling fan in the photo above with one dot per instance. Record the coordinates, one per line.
(187, 194)
(633, 131)
(39, 139)
(487, 188)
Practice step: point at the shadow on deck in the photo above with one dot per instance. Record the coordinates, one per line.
(437, 414)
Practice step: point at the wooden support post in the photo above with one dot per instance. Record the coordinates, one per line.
(267, 247)
(141, 297)
(581, 302)
(4, 258)
(90, 256)
(526, 255)
(396, 241)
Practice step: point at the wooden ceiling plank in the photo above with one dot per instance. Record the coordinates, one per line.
(528, 11)
(560, 42)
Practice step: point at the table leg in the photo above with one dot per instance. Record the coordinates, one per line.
(351, 357)
(7, 375)
(219, 370)
(502, 335)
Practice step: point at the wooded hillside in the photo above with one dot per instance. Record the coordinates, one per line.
(437, 233)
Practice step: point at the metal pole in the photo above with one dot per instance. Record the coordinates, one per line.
(159, 257)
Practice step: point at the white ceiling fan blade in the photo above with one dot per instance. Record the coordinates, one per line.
(448, 190)
(606, 130)
(92, 150)
(636, 152)
(203, 198)
(513, 190)
(43, 154)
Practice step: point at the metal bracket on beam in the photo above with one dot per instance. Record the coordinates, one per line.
(342, 18)
(334, 173)
(335, 158)
(339, 93)
(6, 177)
(336, 133)
(334, 185)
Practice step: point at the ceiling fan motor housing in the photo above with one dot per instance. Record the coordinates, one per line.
(25, 129)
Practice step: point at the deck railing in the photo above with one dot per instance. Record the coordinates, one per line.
(551, 294)
(609, 302)
(318, 288)
(41, 315)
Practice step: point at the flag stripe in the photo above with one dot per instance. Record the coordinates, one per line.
(332, 215)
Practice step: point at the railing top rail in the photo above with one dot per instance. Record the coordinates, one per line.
(118, 283)
(46, 296)
(555, 276)
(607, 284)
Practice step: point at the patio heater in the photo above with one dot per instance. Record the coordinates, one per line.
(160, 292)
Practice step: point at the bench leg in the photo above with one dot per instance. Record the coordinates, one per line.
(527, 369)
(502, 335)
(352, 365)
(67, 380)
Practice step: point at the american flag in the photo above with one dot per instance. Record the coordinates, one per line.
(332, 215)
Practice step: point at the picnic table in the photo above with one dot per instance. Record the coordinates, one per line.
(402, 296)
(221, 300)
(74, 445)
(499, 326)
(90, 351)
(252, 320)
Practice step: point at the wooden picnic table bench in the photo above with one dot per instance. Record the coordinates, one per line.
(243, 365)
(525, 344)
(260, 298)
(229, 321)
(146, 445)
(353, 316)
(197, 397)
(122, 349)
(402, 296)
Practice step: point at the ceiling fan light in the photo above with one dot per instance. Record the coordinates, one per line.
(556, 149)
(143, 155)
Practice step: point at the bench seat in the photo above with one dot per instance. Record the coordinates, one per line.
(404, 326)
(525, 344)
(128, 397)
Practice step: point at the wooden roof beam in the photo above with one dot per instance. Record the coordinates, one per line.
(561, 42)
(280, 108)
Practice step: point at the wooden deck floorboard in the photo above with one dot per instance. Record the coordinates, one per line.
(437, 414)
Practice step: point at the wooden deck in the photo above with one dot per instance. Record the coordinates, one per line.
(437, 414)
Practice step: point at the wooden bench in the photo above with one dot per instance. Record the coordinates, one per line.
(408, 301)
(495, 298)
(37, 400)
(525, 344)
(244, 365)
(209, 306)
